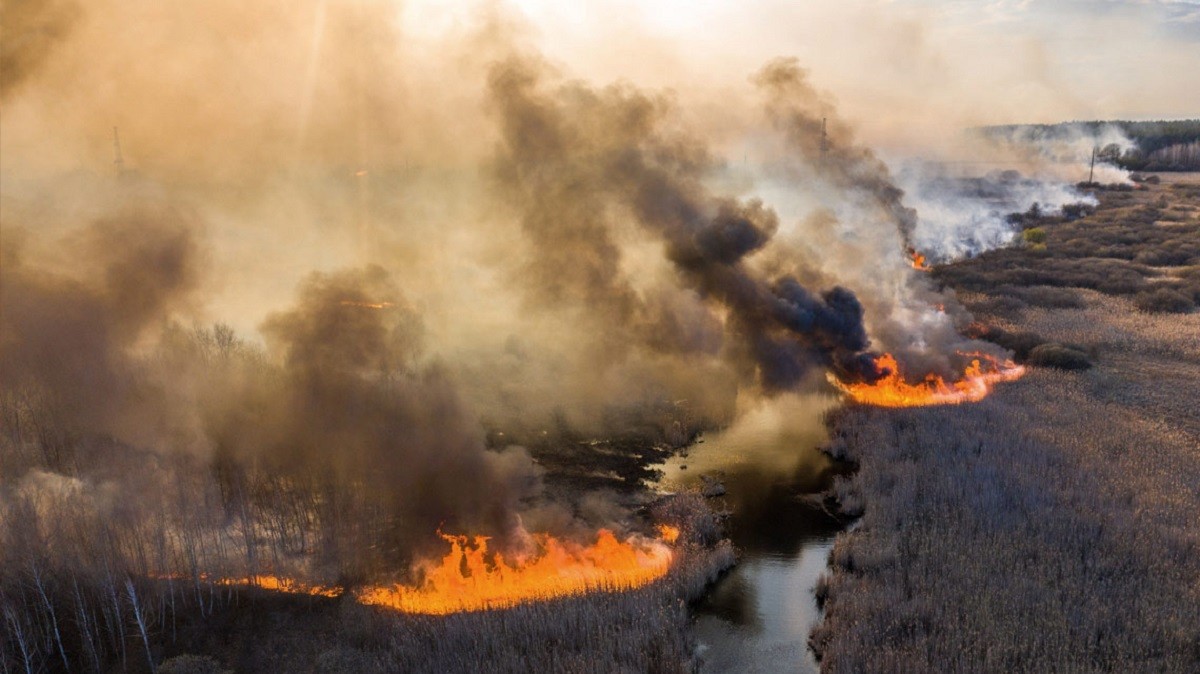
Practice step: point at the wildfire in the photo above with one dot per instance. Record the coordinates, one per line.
(466, 581)
(918, 260)
(279, 584)
(977, 381)
(473, 578)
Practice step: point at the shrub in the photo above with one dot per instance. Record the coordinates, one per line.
(1076, 210)
(1059, 356)
(1020, 343)
(1160, 257)
(1034, 235)
(1163, 300)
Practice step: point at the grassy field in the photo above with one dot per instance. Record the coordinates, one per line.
(1051, 527)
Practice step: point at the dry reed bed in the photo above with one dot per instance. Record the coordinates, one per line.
(1051, 527)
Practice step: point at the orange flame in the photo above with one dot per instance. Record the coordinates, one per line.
(279, 584)
(472, 578)
(262, 581)
(918, 260)
(466, 581)
(977, 381)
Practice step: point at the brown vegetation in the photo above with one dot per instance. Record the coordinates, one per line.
(1144, 243)
(1051, 526)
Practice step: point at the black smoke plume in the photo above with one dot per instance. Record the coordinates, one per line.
(579, 162)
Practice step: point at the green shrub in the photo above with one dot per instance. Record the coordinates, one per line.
(1034, 235)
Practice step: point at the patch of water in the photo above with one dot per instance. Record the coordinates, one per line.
(758, 617)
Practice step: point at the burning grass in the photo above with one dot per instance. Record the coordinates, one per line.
(473, 578)
(893, 390)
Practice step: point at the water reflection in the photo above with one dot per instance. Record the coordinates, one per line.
(757, 618)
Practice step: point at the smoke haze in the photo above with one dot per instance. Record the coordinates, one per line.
(418, 223)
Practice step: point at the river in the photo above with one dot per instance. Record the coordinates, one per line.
(757, 618)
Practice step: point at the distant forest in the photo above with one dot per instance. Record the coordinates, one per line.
(1159, 146)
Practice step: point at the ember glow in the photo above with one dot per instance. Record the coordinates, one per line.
(473, 578)
(977, 381)
(281, 584)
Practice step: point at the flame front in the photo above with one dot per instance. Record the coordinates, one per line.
(473, 578)
(465, 580)
(977, 381)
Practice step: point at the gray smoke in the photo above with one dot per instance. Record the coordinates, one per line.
(812, 129)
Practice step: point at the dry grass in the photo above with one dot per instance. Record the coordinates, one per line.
(1051, 527)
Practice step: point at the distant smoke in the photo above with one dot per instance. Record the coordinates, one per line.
(964, 215)
(1064, 152)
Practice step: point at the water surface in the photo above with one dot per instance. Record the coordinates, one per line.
(758, 617)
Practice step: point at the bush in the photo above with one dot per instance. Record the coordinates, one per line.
(1163, 301)
(1059, 356)
(1076, 210)
(1034, 235)
(1020, 343)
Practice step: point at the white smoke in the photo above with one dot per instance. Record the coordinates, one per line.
(963, 216)
(1065, 151)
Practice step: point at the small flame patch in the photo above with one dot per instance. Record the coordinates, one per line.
(918, 260)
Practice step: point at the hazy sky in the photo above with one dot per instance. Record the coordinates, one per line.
(926, 62)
